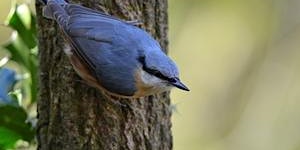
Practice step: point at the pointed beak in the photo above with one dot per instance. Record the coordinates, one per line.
(180, 85)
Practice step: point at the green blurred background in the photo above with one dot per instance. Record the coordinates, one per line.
(241, 60)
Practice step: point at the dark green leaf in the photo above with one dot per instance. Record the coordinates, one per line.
(14, 119)
(8, 138)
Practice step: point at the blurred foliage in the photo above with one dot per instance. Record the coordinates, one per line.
(18, 91)
(241, 61)
(23, 45)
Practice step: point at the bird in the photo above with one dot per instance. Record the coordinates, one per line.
(113, 55)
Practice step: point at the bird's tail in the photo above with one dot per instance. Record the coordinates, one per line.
(54, 9)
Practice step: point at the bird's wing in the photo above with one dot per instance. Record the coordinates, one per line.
(90, 32)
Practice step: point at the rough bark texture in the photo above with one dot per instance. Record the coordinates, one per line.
(75, 116)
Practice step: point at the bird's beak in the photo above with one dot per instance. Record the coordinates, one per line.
(180, 85)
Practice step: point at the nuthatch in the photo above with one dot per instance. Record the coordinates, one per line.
(113, 55)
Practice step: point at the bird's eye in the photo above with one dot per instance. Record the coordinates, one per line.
(173, 80)
(154, 71)
(142, 59)
(159, 75)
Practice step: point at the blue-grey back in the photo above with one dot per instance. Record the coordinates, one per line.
(111, 48)
(111, 53)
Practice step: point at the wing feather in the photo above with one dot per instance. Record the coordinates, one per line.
(97, 27)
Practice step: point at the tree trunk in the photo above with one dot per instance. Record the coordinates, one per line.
(72, 115)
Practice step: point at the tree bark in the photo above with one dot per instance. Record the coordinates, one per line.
(72, 115)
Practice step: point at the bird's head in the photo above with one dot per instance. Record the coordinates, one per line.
(158, 70)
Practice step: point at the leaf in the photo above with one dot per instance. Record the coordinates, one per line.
(16, 97)
(34, 77)
(8, 138)
(19, 52)
(23, 45)
(23, 21)
(23, 50)
(14, 119)
(3, 61)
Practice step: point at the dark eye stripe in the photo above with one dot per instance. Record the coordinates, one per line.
(154, 72)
